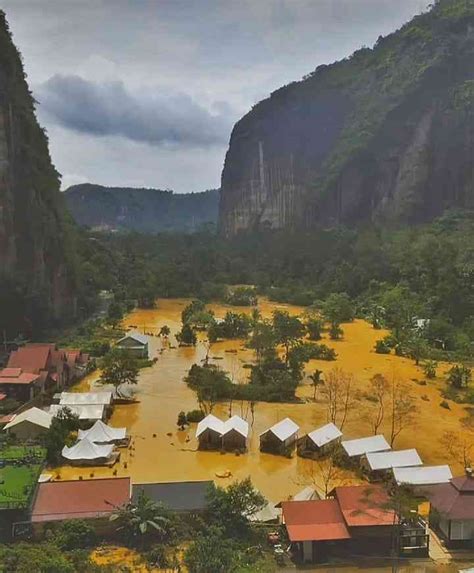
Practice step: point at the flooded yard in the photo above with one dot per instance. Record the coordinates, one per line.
(160, 452)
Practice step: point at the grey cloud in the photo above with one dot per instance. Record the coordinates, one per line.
(153, 116)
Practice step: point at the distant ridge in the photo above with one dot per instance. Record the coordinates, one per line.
(140, 209)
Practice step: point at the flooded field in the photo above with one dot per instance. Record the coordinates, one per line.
(160, 452)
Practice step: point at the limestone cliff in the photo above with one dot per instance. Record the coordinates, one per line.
(385, 135)
(36, 269)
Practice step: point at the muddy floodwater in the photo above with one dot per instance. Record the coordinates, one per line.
(160, 452)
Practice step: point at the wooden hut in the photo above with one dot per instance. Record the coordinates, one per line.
(319, 442)
(378, 464)
(235, 432)
(209, 433)
(280, 438)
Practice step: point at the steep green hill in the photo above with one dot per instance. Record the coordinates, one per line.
(384, 135)
(144, 210)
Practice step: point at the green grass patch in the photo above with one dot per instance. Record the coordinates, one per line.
(16, 453)
(17, 485)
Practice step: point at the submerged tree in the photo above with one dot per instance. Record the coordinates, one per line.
(339, 393)
(402, 409)
(379, 389)
(316, 381)
(119, 367)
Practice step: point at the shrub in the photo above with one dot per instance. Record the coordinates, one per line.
(445, 404)
(381, 347)
(195, 416)
(75, 534)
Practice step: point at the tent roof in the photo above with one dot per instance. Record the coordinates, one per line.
(268, 513)
(325, 434)
(284, 429)
(363, 446)
(91, 412)
(141, 338)
(238, 424)
(306, 494)
(86, 450)
(423, 475)
(210, 422)
(102, 433)
(393, 459)
(33, 415)
(85, 398)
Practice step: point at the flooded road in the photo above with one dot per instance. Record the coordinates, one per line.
(160, 452)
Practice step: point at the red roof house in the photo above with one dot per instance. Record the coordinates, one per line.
(79, 499)
(19, 385)
(320, 520)
(364, 506)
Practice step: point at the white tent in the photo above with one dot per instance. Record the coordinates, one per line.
(100, 433)
(283, 430)
(33, 416)
(423, 475)
(87, 451)
(238, 424)
(85, 398)
(210, 422)
(92, 412)
(361, 446)
(325, 435)
(268, 513)
(393, 459)
(306, 494)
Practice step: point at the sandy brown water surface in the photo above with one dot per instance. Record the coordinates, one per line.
(160, 452)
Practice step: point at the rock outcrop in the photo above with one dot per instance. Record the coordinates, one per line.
(36, 247)
(386, 135)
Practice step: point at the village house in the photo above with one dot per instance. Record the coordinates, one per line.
(182, 497)
(377, 465)
(452, 510)
(280, 438)
(77, 362)
(235, 432)
(209, 433)
(31, 424)
(21, 386)
(87, 499)
(319, 442)
(353, 450)
(422, 475)
(134, 343)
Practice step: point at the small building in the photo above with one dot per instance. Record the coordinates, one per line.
(135, 343)
(31, 424)
(353, 450)
(452, 510)
(77, 362)
(422, 475)
(79, 499)
(235, 433)
(209, 433)
(280, 438)
(21, 386)
(182, 497)
(85, 453)
(90, 413)
(319, 442)
(378, 464)
(101, 433)
(85, 398)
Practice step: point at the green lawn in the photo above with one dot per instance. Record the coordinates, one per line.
(19, 452)
(16, 484)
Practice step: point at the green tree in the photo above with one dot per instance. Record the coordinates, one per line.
(182, 420)
(459, 376)
(165, 331)
(288, 330)
(338, 308)
(210, 384)
(263, 340)
(211, 552)
(335, 331)
(114, 314)
(75, 534)
(58, 434)
(316, 381)
(429, 368)
(119, 367)
(314, 326)
(187, 335)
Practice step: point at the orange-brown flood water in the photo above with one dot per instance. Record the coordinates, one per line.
(160, 452)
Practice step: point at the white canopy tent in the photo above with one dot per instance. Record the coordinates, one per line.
(361, 446)
(85, 398)
(91, 412)
(85, 450)
(101, 433)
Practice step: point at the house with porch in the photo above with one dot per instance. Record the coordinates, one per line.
(134, 343)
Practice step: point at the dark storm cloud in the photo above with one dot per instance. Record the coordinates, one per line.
(153, 117)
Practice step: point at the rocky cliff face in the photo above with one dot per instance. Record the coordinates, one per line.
(386, 135)
(35, 239)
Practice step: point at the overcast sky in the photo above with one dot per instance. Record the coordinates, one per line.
(145, 92)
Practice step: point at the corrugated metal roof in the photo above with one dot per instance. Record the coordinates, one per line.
(33, 416)
(177, 496)
(365, 505)
(363, 446)
(238, 424)
(85, 398)
(91, 412)
(423, 475)
(393, 459)
(137, 336)
(319, 520)
(79, 499)
(283, 430)
(210, 422)
(86, 450)
(325, 434)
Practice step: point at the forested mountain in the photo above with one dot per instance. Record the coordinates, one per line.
(37, 271)
(144, 210)
(386, 135)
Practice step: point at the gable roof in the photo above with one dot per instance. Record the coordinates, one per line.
(31, 358)
(454, 500)
(318, 520)
(17, 376)
(90, 412)
(283, 429)
(85, 398)
(363, 446)
(324, 435)
(102, 433)
(140, 338)
(87, 450)
(178, 496)
(33, 415)
(238, 424)
(393, 459)
(423, 475)
(364, 505)
(210, 422)
(79, 499)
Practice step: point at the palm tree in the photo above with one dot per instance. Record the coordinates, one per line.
(141, 518)
(316, 381)
(164, 331)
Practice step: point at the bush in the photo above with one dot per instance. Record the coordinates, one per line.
(445, 405)
(75, 534)
(381, 347)
(195, 416)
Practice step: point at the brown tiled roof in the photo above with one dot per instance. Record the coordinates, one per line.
(454, 500)
(30, 358)
(317, 520)
(364, 505)
(79, 499)
(20, 378)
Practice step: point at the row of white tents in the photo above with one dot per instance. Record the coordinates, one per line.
(96, 445)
